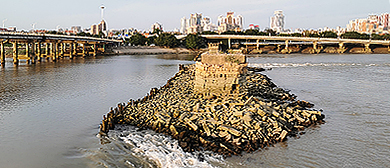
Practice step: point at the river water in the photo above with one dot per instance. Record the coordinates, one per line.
(50, 113)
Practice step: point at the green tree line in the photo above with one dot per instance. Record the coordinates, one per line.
(196, 41)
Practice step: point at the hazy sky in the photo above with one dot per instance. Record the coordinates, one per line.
(141, 14)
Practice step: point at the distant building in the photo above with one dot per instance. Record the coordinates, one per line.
(76, 29)
(156, 26)
(196, 23)
(230, 23)
(277, 21)
(372, 24)
(101, 27)
(207, 25)
(254, 26)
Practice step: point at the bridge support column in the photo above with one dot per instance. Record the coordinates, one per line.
(229, 43)
(39, 52)
(341, 48)
(61, 46)
(15, 52)
(33, 54)
(104, 48)
(84, 49)
(71, 51)
(53, 51)
(367, 48)
(316, 49)
(94, 50)
(74, 49)
(286, 49)
(2, 53)
(28, 54)
(257, 44)
(47, 48)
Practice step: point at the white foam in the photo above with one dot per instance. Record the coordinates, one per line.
(165, 151)
(282, 65)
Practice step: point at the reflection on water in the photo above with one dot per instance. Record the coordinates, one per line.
(49, 108)
(50, 112)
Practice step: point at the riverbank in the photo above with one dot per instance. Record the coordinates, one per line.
(145, 50)
(256, 115)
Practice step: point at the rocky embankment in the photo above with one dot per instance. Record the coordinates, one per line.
(256, 115)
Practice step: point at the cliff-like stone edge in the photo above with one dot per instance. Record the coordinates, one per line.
(255, 115)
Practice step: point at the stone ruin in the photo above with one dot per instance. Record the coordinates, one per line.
(217, 73)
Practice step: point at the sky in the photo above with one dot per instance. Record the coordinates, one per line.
(141, 14)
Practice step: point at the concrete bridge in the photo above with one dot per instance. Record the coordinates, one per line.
(50, 46)
(317, 43)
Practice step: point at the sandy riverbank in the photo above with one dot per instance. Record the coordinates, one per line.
(144, 50)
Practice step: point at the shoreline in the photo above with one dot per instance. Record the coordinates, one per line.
(146, 50)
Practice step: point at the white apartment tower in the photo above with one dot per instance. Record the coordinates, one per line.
(230, 22)
(277, 21)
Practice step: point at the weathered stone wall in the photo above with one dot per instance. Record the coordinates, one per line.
(212, 79)
(217, 74)
(220, 59)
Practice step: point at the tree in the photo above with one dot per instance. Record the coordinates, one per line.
(150, 40)
(270, 32)
(166, 40)
(328, 34)
(138, 39)
(156, 31)
(251, 32)
(355, 35)
(195, 41)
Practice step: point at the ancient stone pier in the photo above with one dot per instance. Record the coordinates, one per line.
(218, 104)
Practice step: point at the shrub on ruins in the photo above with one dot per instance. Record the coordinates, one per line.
(166, 40)
(138, 40)
(194, 41)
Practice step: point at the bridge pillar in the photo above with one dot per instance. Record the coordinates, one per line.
(341, 48)
(74, 49)
(229, 44)
(47, 48)
(70, 50)
(94, 49)
(33, 54)
(104, 48)
(257, 44)
(39, 52)
(54, 51)
(367, 48)
(28, 54)
(286, 49)
(61, 46)
(84, 49)
(316, 49)
(2, 53)
(15, 52)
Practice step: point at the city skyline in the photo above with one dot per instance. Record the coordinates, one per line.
(43, 14)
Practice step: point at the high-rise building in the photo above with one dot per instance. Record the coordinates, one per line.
(373, 23)
(195, 24)
(156, 26)
(101, 27)
(230, 22)
(277, 21)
